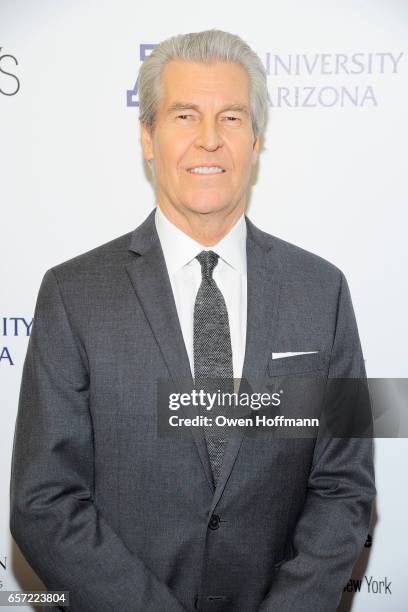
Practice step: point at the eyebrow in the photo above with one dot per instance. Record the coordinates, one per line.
(177, 106)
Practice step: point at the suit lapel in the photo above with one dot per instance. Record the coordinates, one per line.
(264, 279)
(150, 280)
(151, 283)
(263, 286)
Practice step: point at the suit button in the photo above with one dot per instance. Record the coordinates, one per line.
(214, 522)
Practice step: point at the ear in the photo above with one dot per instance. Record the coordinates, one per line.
(146, 142)
(255, 150)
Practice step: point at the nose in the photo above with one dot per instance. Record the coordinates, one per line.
(208, 136)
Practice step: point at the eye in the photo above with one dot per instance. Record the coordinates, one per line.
(184, 116)
(231, 119)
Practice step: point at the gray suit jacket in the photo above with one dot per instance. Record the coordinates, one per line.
(126, 520)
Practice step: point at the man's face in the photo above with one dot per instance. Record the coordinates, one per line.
(202, 144)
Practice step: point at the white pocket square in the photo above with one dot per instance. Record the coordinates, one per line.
(292, 354)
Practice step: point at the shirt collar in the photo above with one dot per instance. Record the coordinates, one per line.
(179, 249)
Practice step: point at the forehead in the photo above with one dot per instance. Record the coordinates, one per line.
(202, 83)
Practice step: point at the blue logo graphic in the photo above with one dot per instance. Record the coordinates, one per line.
(131, 94)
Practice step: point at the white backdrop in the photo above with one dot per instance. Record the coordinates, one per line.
(332, 179)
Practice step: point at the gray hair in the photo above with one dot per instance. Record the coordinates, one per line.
(206, 47)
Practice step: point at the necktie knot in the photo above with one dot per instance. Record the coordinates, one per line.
(208, 260)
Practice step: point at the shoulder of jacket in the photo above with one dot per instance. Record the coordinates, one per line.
(297, 261)
(101, 258)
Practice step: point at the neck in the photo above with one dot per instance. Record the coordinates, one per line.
(205, 228)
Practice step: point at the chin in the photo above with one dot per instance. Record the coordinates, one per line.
(206, 205)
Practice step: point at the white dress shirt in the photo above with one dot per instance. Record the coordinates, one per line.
(230, 274)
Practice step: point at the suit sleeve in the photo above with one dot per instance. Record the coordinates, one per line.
(332, 528)
(53, 515)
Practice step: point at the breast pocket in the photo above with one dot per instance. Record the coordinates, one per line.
(298, 364)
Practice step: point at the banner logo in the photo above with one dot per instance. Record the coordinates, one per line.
(311, 80)
(9, 81)
(131, 94)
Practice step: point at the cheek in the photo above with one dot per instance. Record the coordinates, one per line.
(171, 148)
(244, 163)
(166, 166)
(242, 152)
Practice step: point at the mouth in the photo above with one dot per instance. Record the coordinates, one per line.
(205, 170)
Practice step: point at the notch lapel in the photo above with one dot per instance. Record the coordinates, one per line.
(150, 280)
(263, 287)
(148, 274)
(264, 281)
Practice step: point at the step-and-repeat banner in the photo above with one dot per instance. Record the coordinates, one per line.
(331, 179)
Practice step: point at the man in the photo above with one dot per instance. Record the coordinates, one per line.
(101, 504)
